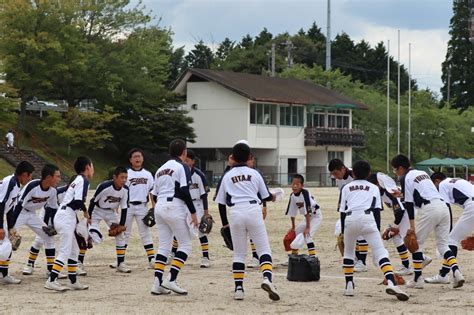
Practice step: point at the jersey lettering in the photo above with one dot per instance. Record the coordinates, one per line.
(112, 199)
(241, 178)
(138, 181)
(359, 187)
(419, 178)
(38, 200)
(167, 171)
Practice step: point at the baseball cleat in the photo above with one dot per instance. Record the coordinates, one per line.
(270, 289)
(438, 279)
(419, 284)
(10, 280)
(174, 286)
(28, 270)
(239, 294)
(360, 267)
(395, 290)
(113, 265)
(458, 279)
(349, 289)
(78, 286)
(80, 270)
(254, 263)
(426, 261)
(205, 262)
(157, 289)
(55, 286)
(403, 271)
(123, 268)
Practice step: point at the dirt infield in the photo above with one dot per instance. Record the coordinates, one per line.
(211, 290)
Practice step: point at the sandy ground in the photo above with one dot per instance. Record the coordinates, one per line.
(211, 290)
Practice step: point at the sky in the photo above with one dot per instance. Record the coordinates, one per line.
(423, 23)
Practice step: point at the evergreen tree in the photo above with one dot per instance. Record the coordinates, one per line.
(458, 67)
(200, 57)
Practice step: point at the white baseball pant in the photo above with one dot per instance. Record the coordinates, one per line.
(433, 217)
(464, 226)
(35, 223)
(109, 216)
(199, 213)
(137, 212)
(65, 224)
(316, 220)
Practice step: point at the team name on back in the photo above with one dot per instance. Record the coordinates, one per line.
(241, 178)
(167, 171)
(419, 178)
(359, 187)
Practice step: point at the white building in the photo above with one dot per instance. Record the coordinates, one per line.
(293, 126)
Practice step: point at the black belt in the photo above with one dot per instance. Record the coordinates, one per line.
(253, 202)
(365, 211)
(136, 203)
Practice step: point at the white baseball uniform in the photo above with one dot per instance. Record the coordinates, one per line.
(304, 203)
(9, 190)
(199, 190)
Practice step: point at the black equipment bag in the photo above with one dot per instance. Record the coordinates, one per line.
(303, 268)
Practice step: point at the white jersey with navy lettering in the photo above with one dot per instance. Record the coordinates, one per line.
(199, 186)
(418, 188)
(302, 202)
(33, 197)
(108, 197)
(360, 195)
(170, 177)
(140, 184)
(457, 190)
(76, 193)
(242, 184)
(346, 179)
(9, 191)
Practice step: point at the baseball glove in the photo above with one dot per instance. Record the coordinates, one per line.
(15, 239)
(80, 241)
(205, 226)
(340, 243)
(289, 237)
(49, 230)
(410, 241)
(390, 232)
(149, 218)
(115, 229)
(398, 280)
(225, 233)
(468, 243)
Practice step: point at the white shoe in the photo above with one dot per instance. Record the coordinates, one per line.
(270, 289)
(360, 267)
(10, 280)
(151, 264)
(254, 263)
(78, 286)
(349, 289)
(205, 262)
(412, 284)
(80, 270)
(426, 261)
(239, 294)
(174, 286)
(170, 259)
(458, 279)
(438, 279)
(55, 286)
(123, 268)
(395, 290)
(113, 265)
(403, 271)
(28, 270)
(157, 289)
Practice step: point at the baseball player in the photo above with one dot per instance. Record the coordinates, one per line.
(37, 194)
(9, 190)
(174, 214)
(239, 190)
(432, 215)
(65, 223)
(108, 198)
(358, 199)
(47, 215)
(343, 176)
(302, 202)
(461, 192)
(140, 184)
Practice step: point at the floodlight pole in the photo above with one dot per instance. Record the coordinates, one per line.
(328, 39)
(398, 97)
(388, 104)
(409, 100)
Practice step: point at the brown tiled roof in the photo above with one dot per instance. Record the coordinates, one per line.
(272, 89)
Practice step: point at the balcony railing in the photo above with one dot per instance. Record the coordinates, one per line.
(316, 136)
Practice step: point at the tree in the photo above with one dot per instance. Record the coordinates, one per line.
(224, 49)
(177, 65)
(458, 69)
(263, 38)
(200, 57)
(314, 34)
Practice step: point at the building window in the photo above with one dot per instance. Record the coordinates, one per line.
(338, 118)
(316, 119)
(292, 116)
(335, 155)
(262, 114)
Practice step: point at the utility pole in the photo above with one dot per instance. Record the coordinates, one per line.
(388, 105)
(273, 60)
(289, 47)
(328, 39)
(398, 96)
(409, 100)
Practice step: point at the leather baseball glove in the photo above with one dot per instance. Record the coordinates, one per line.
(49, 230)
(15, 239)
(205, 226)
(340, 243)
(410, 241)
(149, 218)
(398, 280)
(225, 233)
(115, 229)
(390, 232)
(289, 237)
(468, 243)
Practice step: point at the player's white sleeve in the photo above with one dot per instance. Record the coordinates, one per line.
(262, 187)
(184, 176)
(386, 182)
(221, 194)
(378, 200)
(292, 209)
(342, 204)
(53, 200)
(150, 182)
(79, 189)
(124, 202)
(443, 191)
(409, 187)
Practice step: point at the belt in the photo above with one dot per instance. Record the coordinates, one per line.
(365, 211)
(136, 203)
